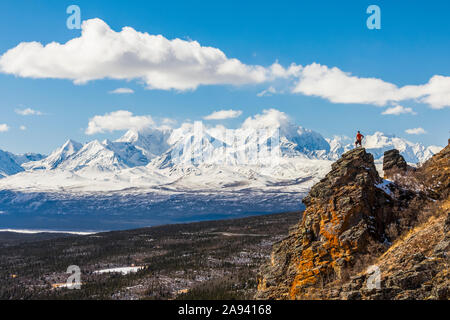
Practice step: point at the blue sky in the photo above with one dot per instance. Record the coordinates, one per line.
(412, 46)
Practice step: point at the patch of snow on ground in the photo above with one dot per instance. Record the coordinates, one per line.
(122, 270)
(385, 187)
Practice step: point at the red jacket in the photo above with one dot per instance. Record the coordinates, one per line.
(359, 136)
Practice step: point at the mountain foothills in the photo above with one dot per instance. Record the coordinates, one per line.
(365, 237)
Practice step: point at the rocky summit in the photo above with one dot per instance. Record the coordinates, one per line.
(392, 160)
(356, 223)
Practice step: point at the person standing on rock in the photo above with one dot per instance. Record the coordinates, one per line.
(359, 138)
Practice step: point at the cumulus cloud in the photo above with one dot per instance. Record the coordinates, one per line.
(4, 127)
(28, 112)
(415, 131)
(341, 87)
(270, 118)
(122, 91)
(338, 86)
(23, 128)
(161, 63)
(223, 114)
(101, 52)
(435, 93)
(397, 110)
(118, 120)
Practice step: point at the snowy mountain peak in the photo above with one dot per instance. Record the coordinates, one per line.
(104, 156)
(192, 147)
(68, 148)
(339, 145)
(56, 158)
(71, 144)
(309, 141)
(294, 140)
(152, 142)
(380, 142)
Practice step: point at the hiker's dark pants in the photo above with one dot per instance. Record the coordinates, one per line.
(358, 142)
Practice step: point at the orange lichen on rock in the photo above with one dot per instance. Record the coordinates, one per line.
(335, 224)
(320, 261)
(352, 216)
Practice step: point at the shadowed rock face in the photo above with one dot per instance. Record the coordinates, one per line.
(392, 160)
(346, 215)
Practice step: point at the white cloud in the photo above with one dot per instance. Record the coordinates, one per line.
(267, 92)
(23, 128)
(118, 120)
(270, 118)
(4, 127)
(342, 87)
(223, 114)
(101, 53)
(122, 91)
(397, 110)
(415, 131)
(28, 112)
(435, 93)
(278, 71)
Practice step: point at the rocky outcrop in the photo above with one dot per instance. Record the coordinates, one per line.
(354, 219)
(345, 218)
(393, 161)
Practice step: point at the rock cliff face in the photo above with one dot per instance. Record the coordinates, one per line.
(352, 217)
(345, 217)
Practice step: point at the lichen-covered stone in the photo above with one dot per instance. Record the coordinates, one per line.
(346, 213)
(347, 220)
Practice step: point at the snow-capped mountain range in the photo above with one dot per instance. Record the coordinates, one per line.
(263, 166)
(168, 156)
